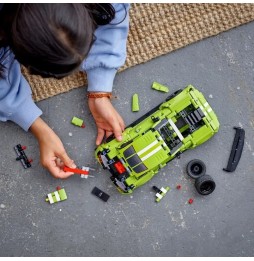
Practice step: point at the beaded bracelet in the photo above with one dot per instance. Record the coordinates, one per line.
(99, 95)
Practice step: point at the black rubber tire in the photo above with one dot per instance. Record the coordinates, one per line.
(196, 168)
(205, 185)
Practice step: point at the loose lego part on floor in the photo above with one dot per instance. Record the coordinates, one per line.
(205, 185)
(159, 87)
(196, 168)
(160, 193)
(78, 122)
(22, 156)
(178, 187)
(56, 196)
(236, 150)
(100, 194)
(190, 201)
(135, 102)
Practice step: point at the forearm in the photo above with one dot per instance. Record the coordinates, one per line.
(40, 129)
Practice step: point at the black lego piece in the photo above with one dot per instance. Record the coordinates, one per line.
(22, 156)
(100, 194)
(236, 150)
(157, 189)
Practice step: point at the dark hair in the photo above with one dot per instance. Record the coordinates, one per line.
(51, 39)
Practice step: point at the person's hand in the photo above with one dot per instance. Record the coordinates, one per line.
(107, 119)
(52, 153)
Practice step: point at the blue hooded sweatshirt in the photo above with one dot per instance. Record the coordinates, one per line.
(107, 54)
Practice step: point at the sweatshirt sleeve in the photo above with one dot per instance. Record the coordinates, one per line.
(108, 52)
(16, 103)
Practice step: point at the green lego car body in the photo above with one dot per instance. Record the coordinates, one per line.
(184, 121)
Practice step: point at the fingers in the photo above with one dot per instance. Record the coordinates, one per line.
(55, 166)
(108, 133)
(59, 163)
(118, 127)
(118, 135)
(121, 123)
(67, 160)
(100, 136)
(55, 170)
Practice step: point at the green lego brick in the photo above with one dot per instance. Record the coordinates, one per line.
(159, 87)
(135, 102)
(78, 122)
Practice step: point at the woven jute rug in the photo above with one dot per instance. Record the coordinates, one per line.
(157, 29)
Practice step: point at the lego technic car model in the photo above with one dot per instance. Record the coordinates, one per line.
(184, 121)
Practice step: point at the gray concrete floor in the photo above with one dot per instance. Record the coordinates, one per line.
(220, 224)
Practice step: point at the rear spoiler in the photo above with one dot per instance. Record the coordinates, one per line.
(236, 150)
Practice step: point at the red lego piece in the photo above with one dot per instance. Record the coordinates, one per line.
(78, 171)
(23, 147)
(190, 201)
(178, 186)
(58, 188)
(119, 167)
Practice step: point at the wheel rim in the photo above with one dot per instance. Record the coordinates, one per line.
(196, 169)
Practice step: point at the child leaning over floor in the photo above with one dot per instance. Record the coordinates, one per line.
(55, 40)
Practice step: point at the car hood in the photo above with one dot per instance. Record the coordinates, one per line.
(148, 150)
